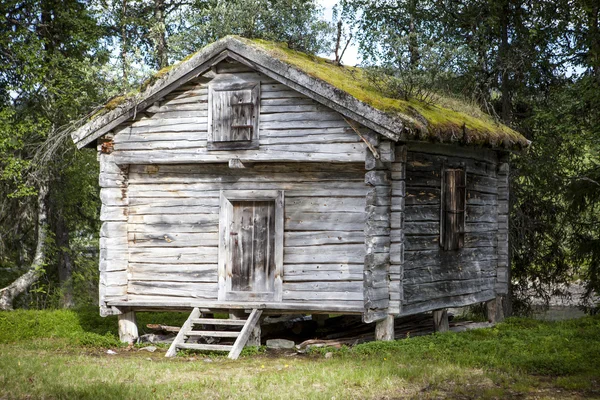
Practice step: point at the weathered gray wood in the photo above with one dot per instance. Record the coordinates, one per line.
(128, 332)
(187, 326)
(384, 329)
(247, 330)
(495, 311)
(440, 320)
(453, 209)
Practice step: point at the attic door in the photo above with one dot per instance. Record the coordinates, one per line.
(250, 248)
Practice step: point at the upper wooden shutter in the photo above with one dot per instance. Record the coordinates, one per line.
(452, 227)
(233, 116)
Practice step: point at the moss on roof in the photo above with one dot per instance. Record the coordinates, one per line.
(448, 122)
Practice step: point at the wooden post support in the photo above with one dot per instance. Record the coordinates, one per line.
(376, 273)
(384, 329)
(495, 312)
(128, 331)
(440, 320)
(254, 339)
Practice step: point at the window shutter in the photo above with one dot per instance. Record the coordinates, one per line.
(233, 116)
(241, 115)
(452, 232)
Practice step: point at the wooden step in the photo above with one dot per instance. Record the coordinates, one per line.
(230, 334)
(216, 321)
(199, 346)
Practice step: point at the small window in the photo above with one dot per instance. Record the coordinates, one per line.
(233, 116)
(452, 221)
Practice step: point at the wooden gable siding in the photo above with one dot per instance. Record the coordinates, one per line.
(292, 127)
(434, 278)
(173, 218)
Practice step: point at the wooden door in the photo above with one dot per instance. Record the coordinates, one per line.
(251, 250)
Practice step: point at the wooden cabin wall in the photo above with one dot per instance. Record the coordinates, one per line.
(434, 278)
(113, 234)
(173, 229)
(292, 127)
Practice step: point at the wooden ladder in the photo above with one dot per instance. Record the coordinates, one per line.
(187, 331)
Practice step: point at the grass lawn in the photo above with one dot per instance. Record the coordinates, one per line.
(62, 354)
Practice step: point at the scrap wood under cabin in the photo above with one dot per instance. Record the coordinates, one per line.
(251, 177)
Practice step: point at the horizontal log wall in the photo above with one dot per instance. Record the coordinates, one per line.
(434, 278)
(292, 127)
(113, 234)
(173, 229)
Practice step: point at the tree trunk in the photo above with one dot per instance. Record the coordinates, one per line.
(65, 264)
(162, 57)
(504, 63)
(593, 14)
(21, 284)
(124, 42)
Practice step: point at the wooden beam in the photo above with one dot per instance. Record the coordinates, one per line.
(128, 331)
(495, 312)
(440, 320)
(384, 329)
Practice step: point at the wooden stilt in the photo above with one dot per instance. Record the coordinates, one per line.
(384, 329)
(128, 331)
(440, 320)
(495, 312)
(254, 338)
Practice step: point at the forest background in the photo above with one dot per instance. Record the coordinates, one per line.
(532, 64)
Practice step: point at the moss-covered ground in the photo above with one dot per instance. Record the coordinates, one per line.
(62, 355)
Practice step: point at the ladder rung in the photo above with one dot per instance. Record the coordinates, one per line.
(198, 346)
(213, 333)
(216, 321)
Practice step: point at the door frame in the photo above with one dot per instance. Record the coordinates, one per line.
(224, 266)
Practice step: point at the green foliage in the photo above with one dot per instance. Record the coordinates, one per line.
(298, 23)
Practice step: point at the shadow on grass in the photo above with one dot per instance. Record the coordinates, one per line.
(97, 391)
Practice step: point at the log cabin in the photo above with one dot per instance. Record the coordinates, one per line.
(251, 178)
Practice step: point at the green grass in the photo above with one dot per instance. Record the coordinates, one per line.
(62, 354)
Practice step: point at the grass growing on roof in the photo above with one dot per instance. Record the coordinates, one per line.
(445, 121)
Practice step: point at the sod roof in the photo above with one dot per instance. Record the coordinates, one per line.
(345, 89)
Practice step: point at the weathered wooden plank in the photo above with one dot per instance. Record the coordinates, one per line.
(194, 290)
(176, 219)
(451, 301)
(479, 153)
(311, 269)
(334, 221)
(180, 275)
(289, 295)
(324, 287)
(188, 239)
(428, 291)
(316, 238)
(113, 213)
(168, 229)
